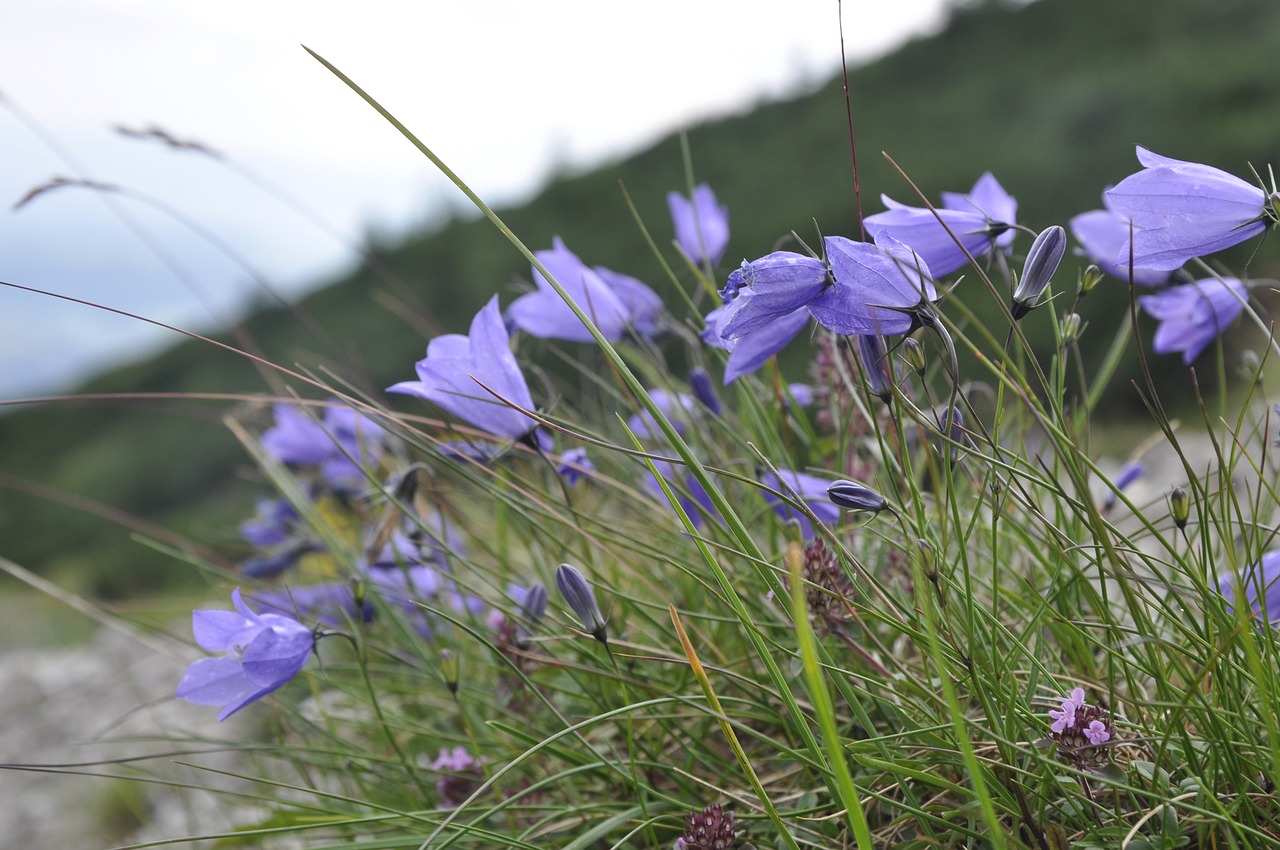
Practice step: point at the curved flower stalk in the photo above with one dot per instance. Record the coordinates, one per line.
(1102, 234)
(261, 653)
(1192, 315)
(465, 375)
(1182, 210)
(981, 220)
(701, 224)
(615, 302)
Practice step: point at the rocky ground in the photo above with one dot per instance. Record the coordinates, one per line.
(69, 711)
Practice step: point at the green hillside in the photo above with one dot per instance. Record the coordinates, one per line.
(1051, 98)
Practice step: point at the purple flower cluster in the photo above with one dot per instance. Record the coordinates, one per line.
(341, 445)
(1080, 730)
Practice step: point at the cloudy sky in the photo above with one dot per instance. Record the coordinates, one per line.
(503, 90)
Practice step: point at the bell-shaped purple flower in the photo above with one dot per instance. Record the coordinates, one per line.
(1192, 315)
(465, 375)
(703, 391)
(880, 288)
(696, 504)
(1102, 233)
(981, 220)
(990, 199)
(702, 225)
(679, 408)
(1261, 586)
(615, 302)
(810, 489)
(339, 444)
(574, 466)
(261, 653)
(1181, 210)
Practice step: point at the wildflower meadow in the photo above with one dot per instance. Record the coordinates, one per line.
(598, 571)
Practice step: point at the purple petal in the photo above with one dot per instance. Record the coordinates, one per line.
(748, 353)
(1181, 210)
(1103, 234)
(701, 224)
(779, 283)
(869, 278)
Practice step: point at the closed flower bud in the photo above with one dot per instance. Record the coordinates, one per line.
(1179, 506)
(449, 669)
(581, 598)
(928, 559)
(913, 351)
(1042, 261)
(857, 497)
(1089, 278)
(1071, 327)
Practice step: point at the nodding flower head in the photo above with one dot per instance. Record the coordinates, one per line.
(476, 377)
(1181, 210)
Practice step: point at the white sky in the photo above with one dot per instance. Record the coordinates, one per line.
(503, 90)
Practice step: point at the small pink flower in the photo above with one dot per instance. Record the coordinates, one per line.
(1097, 733)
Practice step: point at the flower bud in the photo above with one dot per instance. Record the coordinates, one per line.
(1179, 507)
(703, 391)
(449, 669)
(876, 365)
(1089, 278)
(928, 559)
(1042, 261)
(857, 497)
(582, 599)
(1071, 327)
(913, 351)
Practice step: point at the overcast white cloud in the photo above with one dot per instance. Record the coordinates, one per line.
(504, 90)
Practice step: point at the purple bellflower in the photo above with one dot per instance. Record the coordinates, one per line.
(1260, 584)
(262, 652)
(702, 225)
(615, 302)
(574, 466)
(465, 374)
(339, 444)
(810, 489)
(703, 391)
(1102, 233)
(980, 220)
(1181, 210)
(1193, 314)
